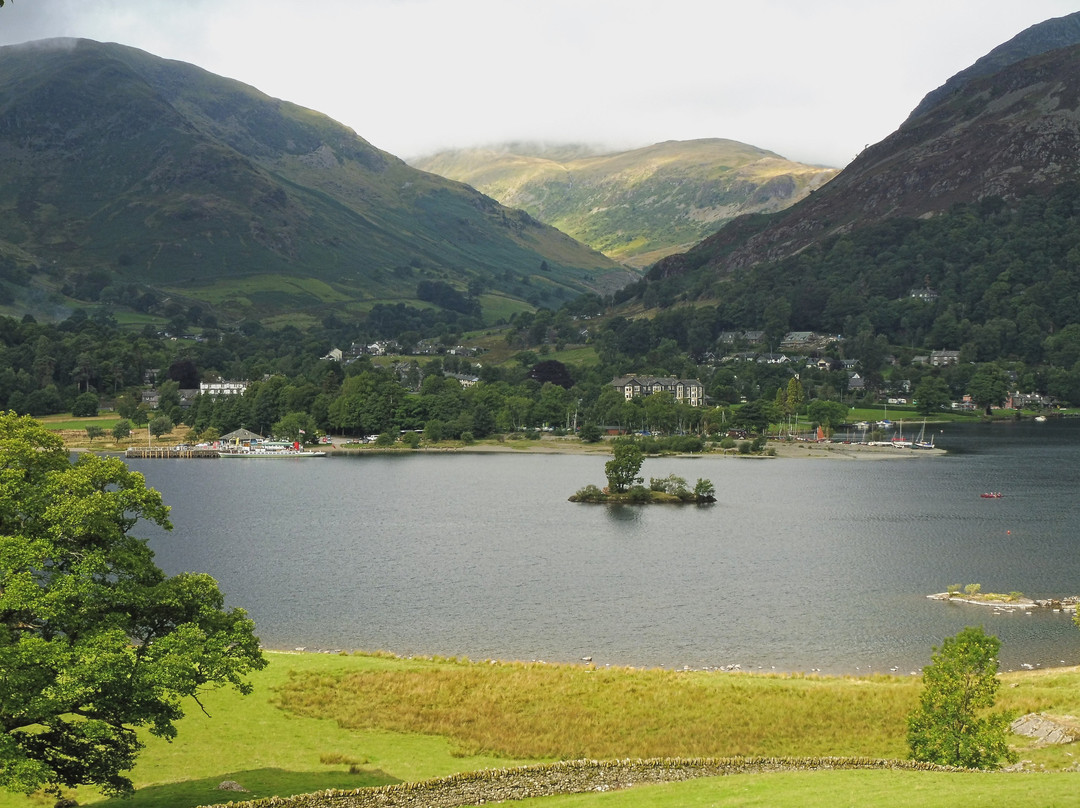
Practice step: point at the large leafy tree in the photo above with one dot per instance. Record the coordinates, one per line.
(932, 395)
(95, 640)
(988, 387)
(953, 725)
(623, 468)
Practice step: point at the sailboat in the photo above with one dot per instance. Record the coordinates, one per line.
(921, 442)
(899, 442)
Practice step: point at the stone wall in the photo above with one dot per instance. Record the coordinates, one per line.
(566, 777)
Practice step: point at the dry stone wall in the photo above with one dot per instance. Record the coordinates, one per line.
(566, 777)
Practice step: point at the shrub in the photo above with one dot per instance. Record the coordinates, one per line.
(590, 493)
(639, 494)
(704, 490)
(671, 484)
(591, 433)
(744, 447)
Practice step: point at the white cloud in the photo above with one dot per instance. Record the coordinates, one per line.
(812, 81)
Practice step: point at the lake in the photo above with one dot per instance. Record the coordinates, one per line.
(801, 564)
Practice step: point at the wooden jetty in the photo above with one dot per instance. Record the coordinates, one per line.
(147, 452)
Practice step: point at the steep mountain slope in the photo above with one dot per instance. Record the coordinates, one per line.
(635, 206)
(1004, 136)
(1060, 32)
(160, 173)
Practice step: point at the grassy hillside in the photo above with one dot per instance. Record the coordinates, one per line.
(349, 721)
(124, 171)
(635, 206)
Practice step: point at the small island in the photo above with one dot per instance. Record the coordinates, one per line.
(624, 486)
(972, 593)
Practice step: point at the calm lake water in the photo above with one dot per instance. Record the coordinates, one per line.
(801, 565)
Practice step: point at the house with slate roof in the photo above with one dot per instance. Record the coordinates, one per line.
(686, 391)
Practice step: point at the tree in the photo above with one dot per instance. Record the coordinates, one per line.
(988, 388)
(622, 470)
(122, 429)
(295, 426)
(160, 425)
(94, 431)
(932, 395)
(951, 726)
(827, 414)
(757, 415)
(95, 640)
(85, 406)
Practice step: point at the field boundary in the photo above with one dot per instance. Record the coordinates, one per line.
(564, 777)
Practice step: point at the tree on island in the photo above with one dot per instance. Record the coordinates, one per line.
(95, 640)
(624, 486)
(622, 470)
(951, 726)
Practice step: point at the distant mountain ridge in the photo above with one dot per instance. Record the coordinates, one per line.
(157, 172)
(635, 206)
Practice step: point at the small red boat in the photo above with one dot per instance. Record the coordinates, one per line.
(992, 495)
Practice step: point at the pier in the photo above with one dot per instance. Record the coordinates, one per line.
(170, 452)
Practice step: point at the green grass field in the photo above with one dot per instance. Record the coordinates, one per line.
(319, 721)
(840, 789)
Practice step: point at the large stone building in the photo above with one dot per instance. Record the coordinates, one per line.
(687, 391)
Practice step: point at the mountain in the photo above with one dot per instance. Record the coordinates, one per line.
(1007, 135)
(1060, 32)
(634, 206)
(959, 231)
(125, 172)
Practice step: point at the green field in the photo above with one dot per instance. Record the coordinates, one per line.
(318, 721)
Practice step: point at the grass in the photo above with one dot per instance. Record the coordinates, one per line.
(360, 720)
(66, 421)
(271, 752)
(531, 711)
(840, 789)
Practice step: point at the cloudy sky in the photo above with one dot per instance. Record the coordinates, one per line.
(815, 81)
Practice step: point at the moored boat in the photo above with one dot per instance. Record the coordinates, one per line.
(270, 449)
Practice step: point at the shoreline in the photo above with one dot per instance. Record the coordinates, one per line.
(784, 450)
(857, 672)
(780, 449)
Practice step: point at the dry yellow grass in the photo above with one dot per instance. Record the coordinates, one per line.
(540, 711)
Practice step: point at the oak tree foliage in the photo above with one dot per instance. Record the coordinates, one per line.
(95, 640)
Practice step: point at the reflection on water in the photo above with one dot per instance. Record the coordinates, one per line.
(801, 564)
(623, 513)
